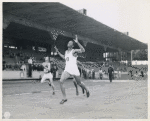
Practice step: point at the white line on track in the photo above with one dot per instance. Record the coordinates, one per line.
(33, 92)
(32, 81)
(66, 89)
(25, 94)
(29, 81)
(113, 81)
(48, 91)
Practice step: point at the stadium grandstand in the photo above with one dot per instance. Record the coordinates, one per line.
(33, 29)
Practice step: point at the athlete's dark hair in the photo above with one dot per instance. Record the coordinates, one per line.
(66, 44)
(73, 42)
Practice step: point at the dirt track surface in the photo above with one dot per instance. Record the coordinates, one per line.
(116, 100)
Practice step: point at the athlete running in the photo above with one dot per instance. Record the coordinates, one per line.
(71, 68)
(74, 81)
(47, 74)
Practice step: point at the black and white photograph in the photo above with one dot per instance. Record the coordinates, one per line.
(75, 59)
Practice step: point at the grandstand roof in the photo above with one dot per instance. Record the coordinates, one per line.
(59, 16)
(28, 33)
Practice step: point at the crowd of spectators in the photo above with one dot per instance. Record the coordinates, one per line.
(13, 59)
(89, 72)
(11, 66)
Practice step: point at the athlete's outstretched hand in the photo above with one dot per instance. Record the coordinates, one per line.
(56, 49)
(59, 53)
(76, 39)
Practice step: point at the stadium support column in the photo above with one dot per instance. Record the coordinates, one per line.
(105, 50)
(131, 56)
(48, 47)
(120, 55)
(85, 45)
(36, 46)
(54, 37)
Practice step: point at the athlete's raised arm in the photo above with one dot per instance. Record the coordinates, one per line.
(61, 55)
(81, 50)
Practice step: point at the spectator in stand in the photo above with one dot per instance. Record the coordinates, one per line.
(36, 67)
(118, 73)
(21, 54)
(4, 65)
(100, 73)
(33, 67)
(131, 73)
(54, 70)
(23, 70)
(93, 74)
(10, 67)
(84, 74)
(11, 55)
(110, 72)
(16, 58)
(16, 66)
(41, 68)
(142, 73)
(52, 64)
(27, 56)
(30, 66)
(90, 73)
(87, 73)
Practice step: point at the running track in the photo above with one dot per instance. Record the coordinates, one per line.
(123, 99)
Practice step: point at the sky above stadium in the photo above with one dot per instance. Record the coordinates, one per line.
(131, 16)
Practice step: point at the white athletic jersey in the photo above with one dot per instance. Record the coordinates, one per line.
(47, 67)
(30, 61)
(71, 63)
(23, 67)
(70, 59)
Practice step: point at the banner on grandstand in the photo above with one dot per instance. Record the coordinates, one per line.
(139, 62)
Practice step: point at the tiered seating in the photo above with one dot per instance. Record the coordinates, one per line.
(39, 57)
(13, 57)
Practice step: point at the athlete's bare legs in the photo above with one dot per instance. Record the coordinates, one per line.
(81, 84)
(65, 75)
(75, 84)
(43, 80)
(52, 84)
(82, 88)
